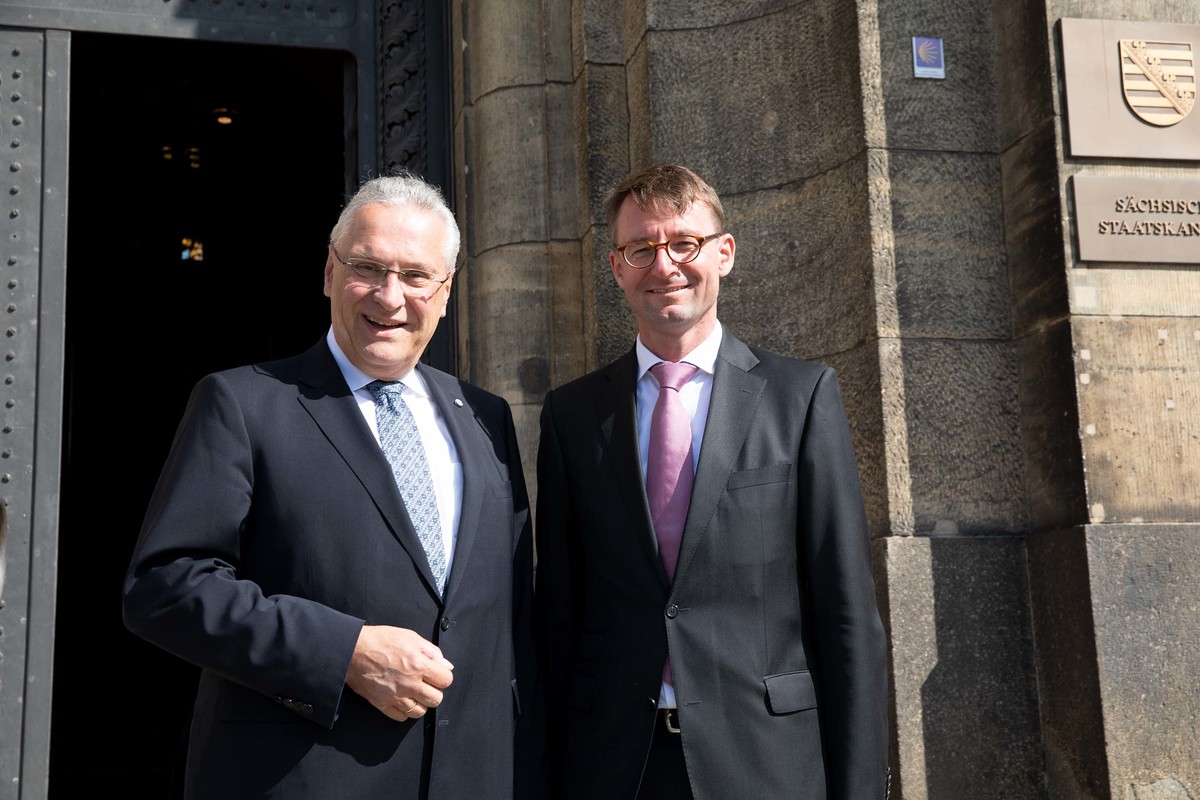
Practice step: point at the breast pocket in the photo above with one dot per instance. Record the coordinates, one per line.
(759, 476)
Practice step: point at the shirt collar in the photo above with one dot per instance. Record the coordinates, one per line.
(704, 356)
(357, 380)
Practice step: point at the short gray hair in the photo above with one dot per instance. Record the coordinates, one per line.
(405, 189)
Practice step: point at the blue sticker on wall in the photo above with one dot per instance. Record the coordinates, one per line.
(929, 60)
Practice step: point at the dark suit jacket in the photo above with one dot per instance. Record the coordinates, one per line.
(777, 651)
(275, 532)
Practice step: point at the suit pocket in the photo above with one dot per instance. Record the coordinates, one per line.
(502, 491)
(790, 692)
(776, 473)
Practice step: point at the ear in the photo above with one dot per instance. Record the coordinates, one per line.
(329, 273)
(725, 252)
(446, 299)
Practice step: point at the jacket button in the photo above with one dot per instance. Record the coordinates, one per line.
(445, 623)
(672, 611)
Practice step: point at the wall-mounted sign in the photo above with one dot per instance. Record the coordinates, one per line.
(929, 59)
(1131, 89)
(1137, 219)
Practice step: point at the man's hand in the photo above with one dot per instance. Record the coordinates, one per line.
(398, 672)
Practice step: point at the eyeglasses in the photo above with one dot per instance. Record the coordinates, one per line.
(640, 253)
(376, 275)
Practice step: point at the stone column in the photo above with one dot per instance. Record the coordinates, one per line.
(1109, 360)
(515, 173)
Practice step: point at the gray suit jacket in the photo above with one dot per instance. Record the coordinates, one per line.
(777, 650)
(275, 532)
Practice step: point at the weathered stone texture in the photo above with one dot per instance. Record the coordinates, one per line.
(1025, 99)
(1141, 291)
(568, 347)
(961, 410)
(507, 146)
(858, 373)
(596, 32)
(689, 14)
(1068, 678)
(951, 277)
(964, 690)
(1140, 417)
(562, 211)
(509, 331)
(602, 130)
(609, 323)
(526, 420)
(954, 114)
(801, 282)
(505, 45)
(1144, 604)
(1034, 232)
(1149, 10)
(754, 111)
(1115, 619)
(1050, 430)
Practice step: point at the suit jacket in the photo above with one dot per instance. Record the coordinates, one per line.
(777, 651)
(275, 532)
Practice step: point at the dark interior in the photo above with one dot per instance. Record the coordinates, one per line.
(156, 180)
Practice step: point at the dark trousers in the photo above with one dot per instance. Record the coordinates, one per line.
(665, 776)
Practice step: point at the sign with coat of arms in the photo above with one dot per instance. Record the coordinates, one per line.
(1158, 80)
(1131, 89)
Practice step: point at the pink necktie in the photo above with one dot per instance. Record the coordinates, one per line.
(669, 470)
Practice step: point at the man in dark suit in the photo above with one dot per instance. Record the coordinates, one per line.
(704, 606)
(341, 540)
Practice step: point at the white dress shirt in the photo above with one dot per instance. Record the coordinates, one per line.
(695, 396)
(444, 465)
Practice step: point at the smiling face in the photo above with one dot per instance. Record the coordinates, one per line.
(384, 329)
(675, 304)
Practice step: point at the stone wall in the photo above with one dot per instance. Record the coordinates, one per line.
(1033, 529)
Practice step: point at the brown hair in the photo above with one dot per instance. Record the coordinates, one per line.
(664, 187)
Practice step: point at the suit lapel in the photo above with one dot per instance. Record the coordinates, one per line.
(616, 416)
(327, 398)
(735, 397)
(474, 454)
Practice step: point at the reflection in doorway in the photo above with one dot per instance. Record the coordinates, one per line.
(204, 179)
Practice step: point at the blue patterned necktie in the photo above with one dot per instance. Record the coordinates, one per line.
(401, 443)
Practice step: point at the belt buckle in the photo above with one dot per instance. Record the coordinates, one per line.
(670, 718)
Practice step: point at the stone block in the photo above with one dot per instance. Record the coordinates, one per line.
(562, 167)
(1036, 241)
(641, 114)
(602, 122)
(1050, 432)
(1115, 614)
(1144, 291)
(957, 113)
(1068, 679)
(568, 350)
(744, 105)
(504, 45)
(961, 413)
(947, 221)
(964, 693)
(598, 32)
(666, 15)
(858, 373)
(509, 322)
(1140, 416)
(507, 147)
(1024, 82)
(802, 279)
(557, 42)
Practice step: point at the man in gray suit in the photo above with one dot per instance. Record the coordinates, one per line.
(705, 606)
(341, 541)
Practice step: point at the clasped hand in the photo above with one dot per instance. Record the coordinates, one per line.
(398, 671)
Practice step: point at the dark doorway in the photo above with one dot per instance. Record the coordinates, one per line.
(204, 179)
